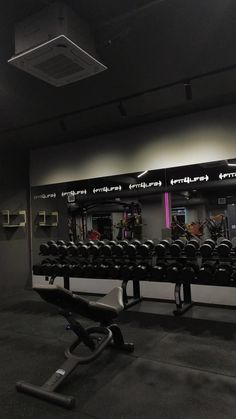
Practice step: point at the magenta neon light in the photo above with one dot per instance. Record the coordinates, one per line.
(167, 210)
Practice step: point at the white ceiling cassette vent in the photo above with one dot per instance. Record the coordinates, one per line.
(55, 46)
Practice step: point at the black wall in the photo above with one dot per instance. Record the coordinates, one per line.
(15, 272)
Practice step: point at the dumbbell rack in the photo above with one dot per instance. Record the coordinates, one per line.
(129, 301)
(134, 263)
(182, 290)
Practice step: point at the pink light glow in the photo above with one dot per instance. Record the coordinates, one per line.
(167, 210)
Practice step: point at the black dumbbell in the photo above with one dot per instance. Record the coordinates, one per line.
(53, 248)
(84, 250)
(58, 248)
(190, 272)
(100, 242)
(47, 269)
(67, 270)
(112, 243)
(145, 249)
(57, 269)
(103, 270)
(131, 250)
(44, 248)
(73, 270)
(224, 248)
(126, 271)
(94, 250)
(92, 269)
(191, 248)
(162, 247)
(210, 242)
(195, 242)
(62, 250)
(140, 272)
(223, 273)
(176, 248)
(207, 271)
(114, 272)
(124, 243)
(70, 243)
(38, 268)
(105, 251)
(174, 271)
(137, 243)
(158, 271)
(72, 250)
(60, 242)
(90, 242)
(89, 271)
(80, 243)
(180, 242)
(118, 250)
(83, 268)
(77, 271)
(228, 242)
(207, 248)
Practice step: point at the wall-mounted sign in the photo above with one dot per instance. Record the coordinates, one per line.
(107, 189)
(188, 180)
(74, 193)
(46, 196)
(230, 175)
(144, 185)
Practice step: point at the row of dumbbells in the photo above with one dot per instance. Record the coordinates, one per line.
(96, 249)
(192, 249)
(136, 249)
(210, 272)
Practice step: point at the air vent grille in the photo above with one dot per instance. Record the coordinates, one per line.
(59, 66)
(59, 62)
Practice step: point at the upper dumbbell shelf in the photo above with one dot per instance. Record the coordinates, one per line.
(48, 219)
(14, 219)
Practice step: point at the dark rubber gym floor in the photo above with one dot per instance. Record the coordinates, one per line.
(181, 367)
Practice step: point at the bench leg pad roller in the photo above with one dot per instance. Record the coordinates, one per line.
(60, 399)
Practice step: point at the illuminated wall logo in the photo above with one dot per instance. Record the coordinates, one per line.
(144, 185)
(188, 180)
(227, 175)
(74, 193)
(45, 196)
(107, 189)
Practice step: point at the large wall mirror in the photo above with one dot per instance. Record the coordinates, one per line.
(188, 201)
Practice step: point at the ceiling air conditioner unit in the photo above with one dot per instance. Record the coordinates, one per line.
(56, 46)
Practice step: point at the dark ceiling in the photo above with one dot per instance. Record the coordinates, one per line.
(151, 48)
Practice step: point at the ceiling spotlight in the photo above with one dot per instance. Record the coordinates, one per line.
(143, 173)
(188, 90)
(122, 109)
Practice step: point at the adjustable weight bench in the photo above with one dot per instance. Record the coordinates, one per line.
(97, 338)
